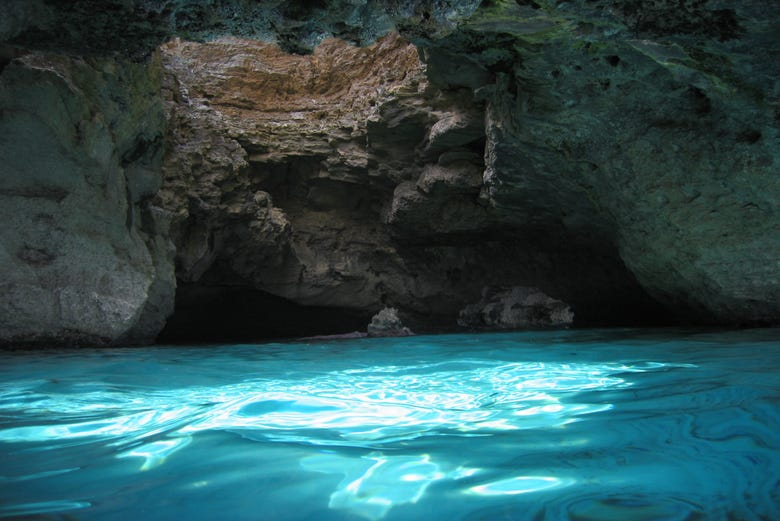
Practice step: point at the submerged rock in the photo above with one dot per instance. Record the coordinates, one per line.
(387, 323)
(341, 336)
(516, 308)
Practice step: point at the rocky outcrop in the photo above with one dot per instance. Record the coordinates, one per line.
(642, 134)
(516, 308)
(387, 323)
(85, 258)
(655, 125)
(269, 175)
(330, 182)
(598, 150)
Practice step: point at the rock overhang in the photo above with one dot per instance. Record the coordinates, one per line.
(646, 135)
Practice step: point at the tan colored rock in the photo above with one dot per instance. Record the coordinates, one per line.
(264, 94)
(374, 180)
(327, 136)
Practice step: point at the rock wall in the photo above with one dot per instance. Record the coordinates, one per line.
(134, 28)
(601, 151)
(85, 259)
(332, 182)
(653, 124)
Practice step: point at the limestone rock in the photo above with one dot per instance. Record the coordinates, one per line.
(387, 323)
(370, 180)
(516, 308)
(249, 118)
(453, 130)
(81, 250)
(582, 147)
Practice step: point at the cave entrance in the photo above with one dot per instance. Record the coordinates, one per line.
(217, 314)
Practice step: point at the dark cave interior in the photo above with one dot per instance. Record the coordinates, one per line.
(217, 314)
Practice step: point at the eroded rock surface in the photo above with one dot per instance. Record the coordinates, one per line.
(85, 259)
(598, 150)
(637, 134)
(516, 308)
(269, 175)
(387, 323)
(655, 124)
(135, 28)
(331, 182)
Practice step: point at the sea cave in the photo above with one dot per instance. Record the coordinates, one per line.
(420, 259)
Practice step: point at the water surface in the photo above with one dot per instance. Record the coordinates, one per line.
(605, 425)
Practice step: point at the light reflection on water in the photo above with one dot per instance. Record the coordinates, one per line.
(383, 427)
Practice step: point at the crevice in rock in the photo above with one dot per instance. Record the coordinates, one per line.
(142, 147)
(130, 210)
(303, 9)
(750, 136)
(700, 101)
(530, 3)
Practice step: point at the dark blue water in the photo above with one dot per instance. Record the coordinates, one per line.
(583, 425)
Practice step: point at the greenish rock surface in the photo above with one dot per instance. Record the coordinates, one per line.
(85, 259)
(657, 125)
(135, 28)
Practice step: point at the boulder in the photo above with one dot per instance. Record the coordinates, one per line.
(387, 323)
(516, 308)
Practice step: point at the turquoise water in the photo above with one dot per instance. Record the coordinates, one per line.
(605, 425)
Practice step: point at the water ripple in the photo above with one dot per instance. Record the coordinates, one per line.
(358, 407)
(522, 440)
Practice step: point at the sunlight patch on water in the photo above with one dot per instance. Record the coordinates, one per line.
(519, 485)
(360, 408)
(374, 484)
(155, 453)
(43, 507)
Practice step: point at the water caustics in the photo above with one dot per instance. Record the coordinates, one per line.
(371, 409)
(361, 407)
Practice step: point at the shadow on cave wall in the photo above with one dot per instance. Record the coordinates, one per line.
(214, 314)
(229, 314)
(210, 312)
